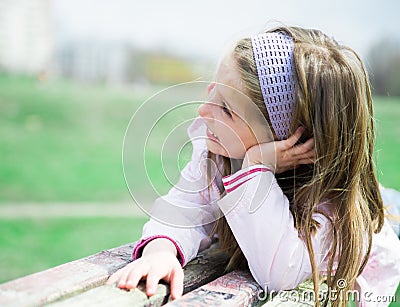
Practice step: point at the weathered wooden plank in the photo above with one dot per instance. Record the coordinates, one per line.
(64, 280)
(236, 288)
(110, 295)
(207, 266)
(81, 283)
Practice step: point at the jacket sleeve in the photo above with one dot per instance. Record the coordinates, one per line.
(185, 215)
(258, 214)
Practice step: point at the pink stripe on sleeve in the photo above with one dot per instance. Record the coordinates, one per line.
(228, 190)
(241, 175)
(235, 180)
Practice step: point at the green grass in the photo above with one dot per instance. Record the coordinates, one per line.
(62, 141)
(31, 245)
(387, 149)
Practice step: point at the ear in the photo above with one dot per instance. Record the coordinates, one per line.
(211, 87)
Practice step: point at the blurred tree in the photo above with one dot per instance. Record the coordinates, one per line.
(384, 67)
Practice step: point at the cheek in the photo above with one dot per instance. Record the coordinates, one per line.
(234, 139)
(227, 133)
(248, 139)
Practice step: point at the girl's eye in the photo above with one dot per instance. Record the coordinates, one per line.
(226, 110)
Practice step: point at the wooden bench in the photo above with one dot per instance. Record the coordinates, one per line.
(82, 283)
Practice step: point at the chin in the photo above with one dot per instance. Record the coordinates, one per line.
(217, 149)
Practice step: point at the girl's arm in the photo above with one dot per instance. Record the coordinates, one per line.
(159, 244)
(177, 228)
(258, 214)
(185, 214)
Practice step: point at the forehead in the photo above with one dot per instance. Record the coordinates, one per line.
(228, 73)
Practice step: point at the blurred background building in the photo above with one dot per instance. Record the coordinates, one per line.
(30, 44)
(92, 61)
(33, 40)
(26, 38)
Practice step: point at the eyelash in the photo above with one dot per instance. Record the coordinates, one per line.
(226, 110)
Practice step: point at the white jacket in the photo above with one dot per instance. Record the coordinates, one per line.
(258, 213)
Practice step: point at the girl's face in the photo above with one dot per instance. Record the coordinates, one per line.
(234, 123)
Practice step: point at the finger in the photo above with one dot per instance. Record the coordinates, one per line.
(176, 283)
(307, 155)
(310, 143)
(303, 148)
(132, 274)
(134, 277)
(123, 277)
(305, 161)
(293, 139)
(307, 158)
(114, 277)
(152, 281)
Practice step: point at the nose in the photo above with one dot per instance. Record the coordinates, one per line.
(205, 110)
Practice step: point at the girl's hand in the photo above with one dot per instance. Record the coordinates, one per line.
(281, 156)
(153, 267)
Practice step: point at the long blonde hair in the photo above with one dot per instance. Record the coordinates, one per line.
(333, 104)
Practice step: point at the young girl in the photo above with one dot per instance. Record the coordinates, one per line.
(285, 219)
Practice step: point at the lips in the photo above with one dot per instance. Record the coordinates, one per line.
(212, 136)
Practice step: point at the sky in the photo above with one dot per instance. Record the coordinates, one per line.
(207, 28)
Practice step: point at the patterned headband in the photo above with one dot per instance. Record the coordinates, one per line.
(273, 55)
